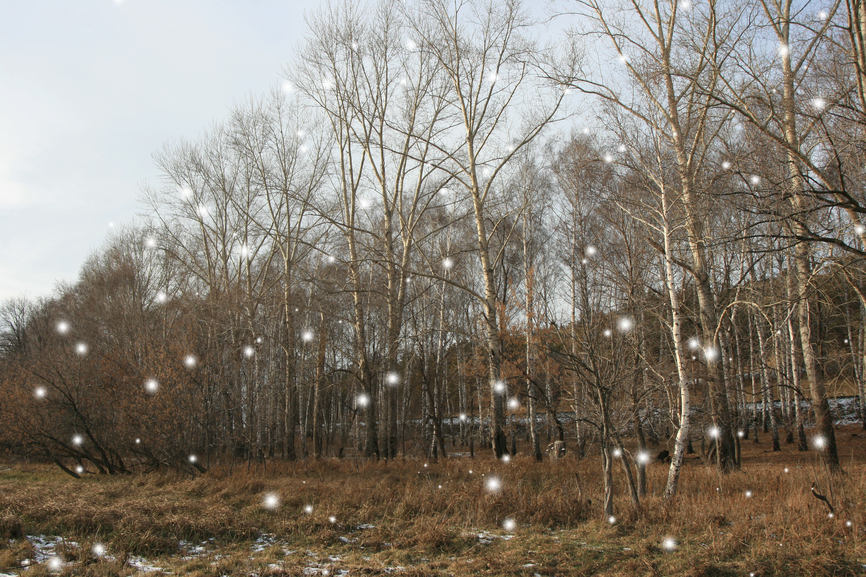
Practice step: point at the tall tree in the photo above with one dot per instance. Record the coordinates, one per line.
(484, 50)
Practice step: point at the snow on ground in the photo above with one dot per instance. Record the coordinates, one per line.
(45, 548)
(143, 565)
(264, 541)
(486, 537)
(191, 551)
(843, 409)
(48, 550)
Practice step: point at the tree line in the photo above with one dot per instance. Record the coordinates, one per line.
(441, 233)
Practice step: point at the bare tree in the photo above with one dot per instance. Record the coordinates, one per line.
(484, 51)
(662, 93)
(763, 89)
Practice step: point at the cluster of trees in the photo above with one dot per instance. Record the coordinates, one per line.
(399, 248)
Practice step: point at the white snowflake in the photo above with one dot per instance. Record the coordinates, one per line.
(55, 564)
(271, 501)
(493, 484)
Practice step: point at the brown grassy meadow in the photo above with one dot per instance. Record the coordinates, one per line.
(410, 519)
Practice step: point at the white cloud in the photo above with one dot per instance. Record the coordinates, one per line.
(13, 194)
(89, 91)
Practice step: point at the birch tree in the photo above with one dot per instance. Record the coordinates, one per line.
(646, 39)
(485, 52)
(766, 91)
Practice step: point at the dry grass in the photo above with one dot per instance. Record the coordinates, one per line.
(780, 530)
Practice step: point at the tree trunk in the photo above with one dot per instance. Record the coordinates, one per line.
(530, 352)
(769, 405)
(802, 258)
(493, 343)
(676, 333)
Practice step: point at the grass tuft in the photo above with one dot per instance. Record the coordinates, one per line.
(444, 519)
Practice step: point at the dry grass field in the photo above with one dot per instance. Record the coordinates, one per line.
(416, 518)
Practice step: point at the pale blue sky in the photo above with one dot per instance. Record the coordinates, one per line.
(89, 89)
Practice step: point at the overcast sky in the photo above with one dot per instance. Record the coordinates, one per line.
(90, 89)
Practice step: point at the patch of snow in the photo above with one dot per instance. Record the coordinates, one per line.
(264, 541)
(143, 565)
(46, 547)
(191, 551)
(486, 537)
(843, 409)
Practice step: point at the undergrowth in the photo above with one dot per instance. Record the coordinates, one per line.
(439, 517)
